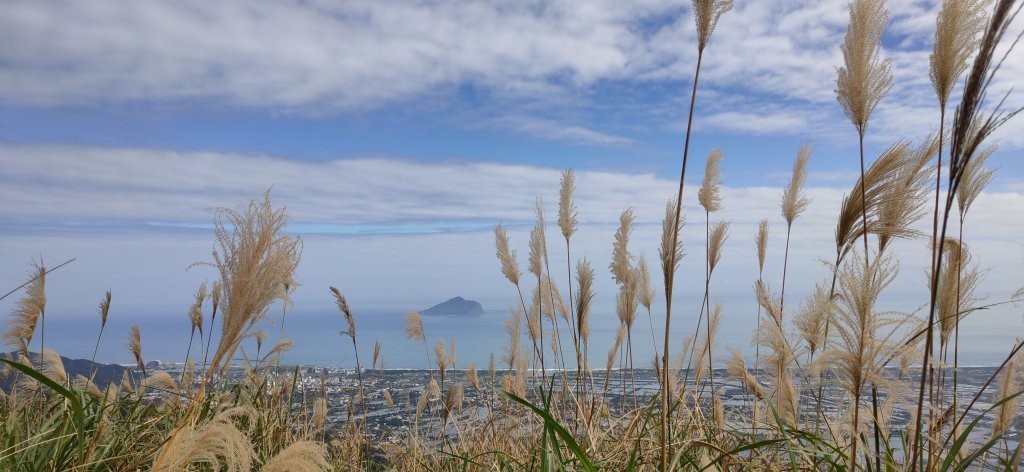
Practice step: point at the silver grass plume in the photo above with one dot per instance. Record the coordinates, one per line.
(708, 195)
(671, 256)
(27, 311)
(761, 243)
(793, 201)
(568, 217)
(957, 30)
(507, 256)
(865, 77)
(621, 264)
(705, 15)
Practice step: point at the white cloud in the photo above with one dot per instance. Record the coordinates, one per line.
(324, 57)
(92, 203)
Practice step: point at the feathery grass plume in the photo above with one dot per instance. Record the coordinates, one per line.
(217, 443)
(584, 297)
(644, 283)
(519, 381)
(903, 199)
(452, 401)
(441, 358)
(414, 326)
(671, 256)
(27, 311)
(708, 195)
(719, 233)
(300, 456)
(451, 352)
(810, 320)
(104, 309)
(512, 327)
(780, 354)
(620, 334)
(761, 243)
(376, 353)
(474, 377)
(885, 171)
(738, 371)
(975, 178)
(390, 402)
(794, 202)
(705, 15)
(135, 346)
(771, 304)
(82, 383)
(430, 392)
(255, 262)
(957, 30)
(346, 311)
(195, 312)
(957, 283)
(865, 77)
(507, 256)
(568, 217)
(627, 300)
(319, 413)
(971, 127)
(51, 365)
(1009, 384)
(859, 326)
(622, 261)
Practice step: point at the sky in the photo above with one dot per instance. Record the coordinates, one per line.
(398, 134)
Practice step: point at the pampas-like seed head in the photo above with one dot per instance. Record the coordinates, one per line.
(622, 261)
(975, 178)
(886, 171)
(568, 219)
(512, 327)
(218, 442)
(390, 402)
(1009, 384)
(376, 353)
(584, 296)
(135, 346)
(255, 260)
(865, 77)
(761, 243)
(719, 233)
(812, 317)
(104, 309)
(538, 242)
(300, 456)
(414, 327)
(793, 201)
(27, 311)
(440, 356)
(644, 283)
(708, 195)
(705, 15)
(956, 38)
(902, 200)
(474, 377)
(507, 256)
(737, 368)
(195, 312)
(671, 256)
(957, 282)
(343, 306)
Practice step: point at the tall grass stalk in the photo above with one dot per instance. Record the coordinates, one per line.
(706, 14)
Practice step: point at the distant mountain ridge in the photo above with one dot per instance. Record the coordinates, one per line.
(103, 374)
(457, 306)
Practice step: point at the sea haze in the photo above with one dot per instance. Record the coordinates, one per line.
(984, 340)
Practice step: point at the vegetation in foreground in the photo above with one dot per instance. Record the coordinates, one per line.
(543, 409)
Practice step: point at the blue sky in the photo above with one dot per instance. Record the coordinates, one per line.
(399, 133)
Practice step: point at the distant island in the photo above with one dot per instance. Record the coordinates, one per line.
(457, 306)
